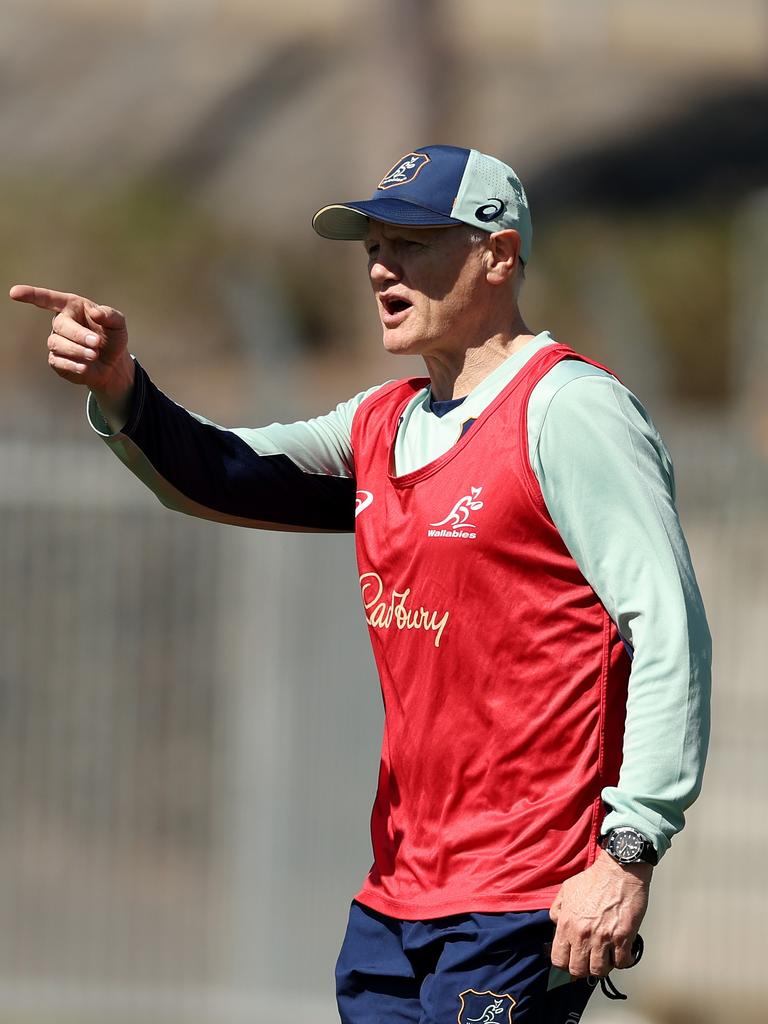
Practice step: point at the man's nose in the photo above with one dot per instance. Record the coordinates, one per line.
(383, 269)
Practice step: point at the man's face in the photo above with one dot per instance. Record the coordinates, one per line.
(428, 285)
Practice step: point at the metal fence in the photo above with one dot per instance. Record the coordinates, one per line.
(189, 725)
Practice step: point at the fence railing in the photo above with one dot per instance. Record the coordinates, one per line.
(189, 731)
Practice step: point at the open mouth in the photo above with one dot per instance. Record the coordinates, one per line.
(393, 305)
(393, 308)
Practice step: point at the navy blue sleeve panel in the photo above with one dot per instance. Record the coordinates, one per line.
(205, 470)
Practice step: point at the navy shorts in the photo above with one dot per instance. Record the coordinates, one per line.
(466, 968)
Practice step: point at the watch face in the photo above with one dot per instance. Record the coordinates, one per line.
(627, 844)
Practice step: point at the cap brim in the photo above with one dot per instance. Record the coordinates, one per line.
(349, 221)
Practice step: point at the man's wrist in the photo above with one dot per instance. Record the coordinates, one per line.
(641, 871)
(114, 401)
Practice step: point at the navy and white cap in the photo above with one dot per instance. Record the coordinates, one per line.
(437, 186)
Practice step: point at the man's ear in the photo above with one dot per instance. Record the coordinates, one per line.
(504, 251)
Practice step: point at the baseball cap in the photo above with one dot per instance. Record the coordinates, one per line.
(437, 186)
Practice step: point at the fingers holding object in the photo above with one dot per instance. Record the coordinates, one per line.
(580, 958)
(561, 953)
(575, 961)
(578, 962)
(623, 956)
(601, 961)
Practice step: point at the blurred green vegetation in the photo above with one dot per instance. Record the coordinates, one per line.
(142, 249)
(155, 253)
(671, 266)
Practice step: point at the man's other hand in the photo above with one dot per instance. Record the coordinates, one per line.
(88, 344)
(598, 914)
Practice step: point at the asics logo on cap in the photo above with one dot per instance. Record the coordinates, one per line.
(405, 170)
(462, 186)
(492, 210)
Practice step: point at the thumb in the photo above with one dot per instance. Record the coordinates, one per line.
(554, 910)
(107, 317)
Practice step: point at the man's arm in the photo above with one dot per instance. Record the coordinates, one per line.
(608, 484)
(296, 476)
(290, 477)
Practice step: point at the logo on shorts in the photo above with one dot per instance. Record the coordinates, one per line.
(485, 1008)
(457, 522)
(405, 170)
(362, 500)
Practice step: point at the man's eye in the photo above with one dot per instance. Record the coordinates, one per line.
(373, 252)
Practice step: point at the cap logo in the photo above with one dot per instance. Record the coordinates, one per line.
(492, 210)
(405, 170)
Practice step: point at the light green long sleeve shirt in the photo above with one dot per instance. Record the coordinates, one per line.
(608, 483)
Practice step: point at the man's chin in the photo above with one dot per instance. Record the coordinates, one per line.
(399, 341)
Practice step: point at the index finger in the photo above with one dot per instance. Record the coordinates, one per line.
(43, 298)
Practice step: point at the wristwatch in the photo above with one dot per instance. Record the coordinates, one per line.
(628, 846)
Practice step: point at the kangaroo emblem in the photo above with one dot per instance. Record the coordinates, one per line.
(490, 1014)
(405, 170)
(496, 1011)
(458, 517)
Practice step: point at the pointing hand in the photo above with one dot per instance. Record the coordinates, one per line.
(88, 344)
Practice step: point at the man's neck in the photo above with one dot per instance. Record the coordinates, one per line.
(455, 374)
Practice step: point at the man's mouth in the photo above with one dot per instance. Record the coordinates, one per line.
(393, 309)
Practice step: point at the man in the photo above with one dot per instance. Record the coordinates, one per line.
(537, 627)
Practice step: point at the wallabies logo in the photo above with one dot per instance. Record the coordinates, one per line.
(405, 170)
(485, 1008)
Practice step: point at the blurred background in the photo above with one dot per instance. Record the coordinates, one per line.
(189, 716)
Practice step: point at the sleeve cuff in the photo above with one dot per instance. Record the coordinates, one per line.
(96, 418)
(621, 818)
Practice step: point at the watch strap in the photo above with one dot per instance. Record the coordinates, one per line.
(646, 855)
